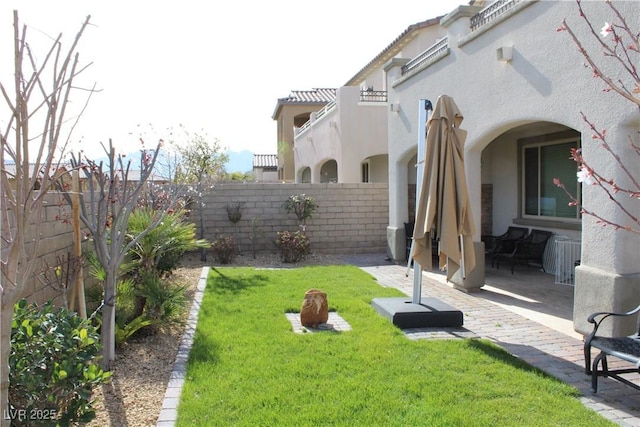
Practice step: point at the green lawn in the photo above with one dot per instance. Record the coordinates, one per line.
(248, 368)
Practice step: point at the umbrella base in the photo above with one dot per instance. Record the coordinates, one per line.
(431, 312)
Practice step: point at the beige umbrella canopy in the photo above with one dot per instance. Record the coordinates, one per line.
(443, 210)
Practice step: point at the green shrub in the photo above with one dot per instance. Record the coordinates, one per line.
(53, 364)
(224, 249)
(124, 332)
(163, 301)
(293, 247)
(161, 249)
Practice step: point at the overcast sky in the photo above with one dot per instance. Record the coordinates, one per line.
(218, 68)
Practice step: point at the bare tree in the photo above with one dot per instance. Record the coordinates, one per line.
(110, 198)
(33, 141)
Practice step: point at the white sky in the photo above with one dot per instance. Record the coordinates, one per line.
(216, 67)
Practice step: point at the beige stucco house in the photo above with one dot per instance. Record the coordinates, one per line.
(521, 86)
(291, 112)
(346, 140)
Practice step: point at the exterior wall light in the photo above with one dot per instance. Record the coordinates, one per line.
(505, 53)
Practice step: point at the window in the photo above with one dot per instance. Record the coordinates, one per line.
(543, 159)
(365, 172)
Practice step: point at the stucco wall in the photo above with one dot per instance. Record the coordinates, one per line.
(544, 82)
(547, 84)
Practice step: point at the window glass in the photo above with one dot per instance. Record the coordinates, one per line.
(542, 163)
(365, 172)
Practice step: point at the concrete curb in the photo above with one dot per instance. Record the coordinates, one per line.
(169, 412)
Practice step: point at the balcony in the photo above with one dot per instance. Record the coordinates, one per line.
(437, 50)
(373, 95)
(491, 12)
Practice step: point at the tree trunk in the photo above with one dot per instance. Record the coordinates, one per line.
(6, 316)
(203, 251)
(107, 333)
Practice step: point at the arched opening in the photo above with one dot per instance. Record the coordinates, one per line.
(375, 169)
(305, 175)
(329, 171)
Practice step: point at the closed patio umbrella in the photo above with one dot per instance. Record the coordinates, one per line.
(443, 210)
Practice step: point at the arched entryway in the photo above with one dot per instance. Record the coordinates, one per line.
(305, 175)
(329, 171)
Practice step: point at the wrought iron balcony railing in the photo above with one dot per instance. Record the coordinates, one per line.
(373, 96)
(491, 12)
(438, 48)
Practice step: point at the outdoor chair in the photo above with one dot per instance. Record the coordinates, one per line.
(408, 231)
(624, 348)
(529, 249)
(504, 243)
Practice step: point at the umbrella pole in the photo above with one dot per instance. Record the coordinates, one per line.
(424, 107)
(464, 271)
(417, 283)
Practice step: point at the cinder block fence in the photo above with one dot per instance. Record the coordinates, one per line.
(351, 218)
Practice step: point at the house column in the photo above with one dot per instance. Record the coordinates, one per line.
(608, 277)
(398, 168)
(398, 209)
(315, 174)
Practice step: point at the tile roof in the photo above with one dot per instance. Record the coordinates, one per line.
(315, 96)
(265, 161)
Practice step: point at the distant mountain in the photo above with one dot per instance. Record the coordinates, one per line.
(239, 161)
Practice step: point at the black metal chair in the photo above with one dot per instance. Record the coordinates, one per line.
(529, 249)
(625, 348)
(408, 231)
(504, 243)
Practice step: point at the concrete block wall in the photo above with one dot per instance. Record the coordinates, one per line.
(56, 243)
(351, 218)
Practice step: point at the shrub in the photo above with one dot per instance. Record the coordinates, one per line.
(301, 205)
(53, 364)
(224, 249)
(164, 302)
(162, 247)
(293, 247)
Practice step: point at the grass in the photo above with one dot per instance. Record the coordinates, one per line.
(247, 367)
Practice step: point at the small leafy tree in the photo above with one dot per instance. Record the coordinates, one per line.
(234, 213)
(620, 44)
(256, 233)
(201, 164)
(302, 206)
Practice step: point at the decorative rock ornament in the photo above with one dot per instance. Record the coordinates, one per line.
(315, 309)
